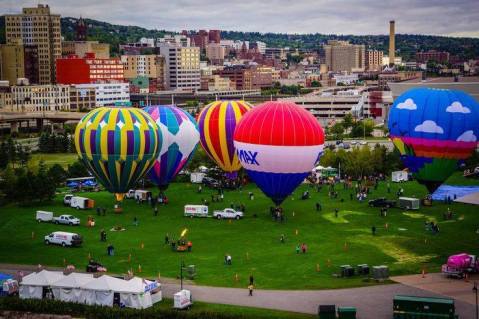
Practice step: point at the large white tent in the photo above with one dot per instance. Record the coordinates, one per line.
(85, 288)
(32, 285)
(69, 287)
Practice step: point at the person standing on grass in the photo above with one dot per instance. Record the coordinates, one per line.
(336, 211)
(156, 210)
(281, 239)
(297, 249)
(250, 289)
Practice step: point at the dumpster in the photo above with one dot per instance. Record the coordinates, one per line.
(405, 307)
(327, 311)
(191, 272)
(380, 272)
(346, 313)
(347, 271)
(363, 269)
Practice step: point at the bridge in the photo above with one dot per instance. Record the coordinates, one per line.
(14, 120)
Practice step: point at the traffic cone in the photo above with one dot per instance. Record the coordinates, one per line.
(33, 235)
(423, 273)
(89, 256)
(317, 268)
(329, 262)
(139, 268)
(247, 256)
(64, 262)
(142, 245)
(129, 258)
(236, 277)
(296, 232)
(345, 246)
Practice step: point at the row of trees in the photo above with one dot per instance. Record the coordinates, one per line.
(56, 143)
(362, 161)
(350, 128)
(12, 153)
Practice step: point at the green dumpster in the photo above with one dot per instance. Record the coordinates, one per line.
(405, 307)
(346, 313)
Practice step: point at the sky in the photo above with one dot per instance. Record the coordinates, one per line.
(360, 17)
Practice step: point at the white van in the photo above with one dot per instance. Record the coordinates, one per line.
(64, 239)
(43, 216)
(81, 202)
(196, 211)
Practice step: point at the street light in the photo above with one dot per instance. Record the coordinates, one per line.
(182, 265)
(474, 289)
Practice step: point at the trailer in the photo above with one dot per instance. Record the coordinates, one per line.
(399, 176)
(81, 202)
(196, 211)
(43, 216)
(408, 203)
(197, 178)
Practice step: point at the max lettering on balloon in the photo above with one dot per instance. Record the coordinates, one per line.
(248, 157)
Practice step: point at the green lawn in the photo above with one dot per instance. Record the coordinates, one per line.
(406, 247)
(64, 159)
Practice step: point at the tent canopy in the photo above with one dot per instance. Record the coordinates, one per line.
(73, 280)
(109, 283)
(472, 198)
(42, 278)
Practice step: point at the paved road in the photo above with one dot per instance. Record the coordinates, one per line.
(371, 302)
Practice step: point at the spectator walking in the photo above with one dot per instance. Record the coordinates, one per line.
(156, 210)
(298, 249)
(250, 289)
(135, 221)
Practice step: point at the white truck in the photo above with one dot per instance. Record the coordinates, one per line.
(66, 220)
(81, 202)
(63, 238)
(196, 211)
(227, 213)
(140, 194)
(43, 216)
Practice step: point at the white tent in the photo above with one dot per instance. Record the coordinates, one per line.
(68, 288)
(32, 285)
(472, 198)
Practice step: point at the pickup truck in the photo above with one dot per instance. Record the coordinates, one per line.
(382, 202)
(227, 213)
(67, 220)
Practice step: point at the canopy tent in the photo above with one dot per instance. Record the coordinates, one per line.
(68, 288)
(32, 285)
(453, 192)
(472, 198)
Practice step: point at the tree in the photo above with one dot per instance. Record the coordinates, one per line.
(362, 128)
(57, 174)
(77, 169)
(315, 84)
(348, 120)
(11, 151)
(4, 157)
(337, 131)
(23, 154)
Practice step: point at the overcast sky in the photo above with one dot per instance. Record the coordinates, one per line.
(440, 17)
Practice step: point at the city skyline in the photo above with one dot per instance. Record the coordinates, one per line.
(322, 16)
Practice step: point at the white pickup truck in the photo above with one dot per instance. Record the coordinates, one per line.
(227, 213)
(67, 220)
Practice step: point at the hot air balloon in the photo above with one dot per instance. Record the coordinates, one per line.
(180, 138)
(118, 145)
(217, 123)
(278, 143)
(434, 130)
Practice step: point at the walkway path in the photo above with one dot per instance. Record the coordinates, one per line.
(371, 302)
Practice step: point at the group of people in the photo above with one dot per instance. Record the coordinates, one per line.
(101, 211)
(447, 215)
(301, 248)
(277, 214)
(432, 226)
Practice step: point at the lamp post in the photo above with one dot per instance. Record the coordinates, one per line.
(182, 265)
(474, 289)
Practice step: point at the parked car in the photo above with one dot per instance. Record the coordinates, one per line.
(363, 143)
(43, 216)
(210, 182)
(227, 213)
(346, 146)
(382, 202)
(66, 220)
(63, 238)
(354, 142)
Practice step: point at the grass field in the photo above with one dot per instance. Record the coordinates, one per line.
(64, 159)
(405, 246)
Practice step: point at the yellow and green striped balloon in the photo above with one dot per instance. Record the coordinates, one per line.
(118, 145)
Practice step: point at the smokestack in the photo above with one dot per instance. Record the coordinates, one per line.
(392, 44)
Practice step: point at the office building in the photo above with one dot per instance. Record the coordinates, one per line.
(432, 55)
(216, 83)
(215, 53)
(214, 36)
(108, 93)
(19, 61)
(37, 26)
(76, 70)
(342, 56)
(81, 48)
(374, 60)
(144, 71)
(82, 99)
(37, 98)
(182, 66)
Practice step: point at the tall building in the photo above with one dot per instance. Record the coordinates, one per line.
(214, 36)
(18, 61)
(81, 48)
(76, 70)
(108, 94)
(392, 42)
(215, 53)
(81, 30)
(182, 66)
(37, 26)
(374, 60)
(144, 68)
(342, 56)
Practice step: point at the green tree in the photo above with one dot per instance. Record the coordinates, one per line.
(57, 174)
(315, 84)
(337, 131)
(4, 157)
(348, 120)
(77, 169)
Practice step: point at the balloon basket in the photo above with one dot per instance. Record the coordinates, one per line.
(117, 209)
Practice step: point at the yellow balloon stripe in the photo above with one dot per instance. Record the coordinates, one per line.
(208, 140)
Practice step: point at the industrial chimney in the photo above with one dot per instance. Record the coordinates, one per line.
(392, 44)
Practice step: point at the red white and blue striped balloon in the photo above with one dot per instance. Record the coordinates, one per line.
(278, 143)
(180, 138)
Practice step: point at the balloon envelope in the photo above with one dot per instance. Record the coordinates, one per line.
(180, 138)
(434, 130)
(217, 123)
(278, 143)
(118, 145)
